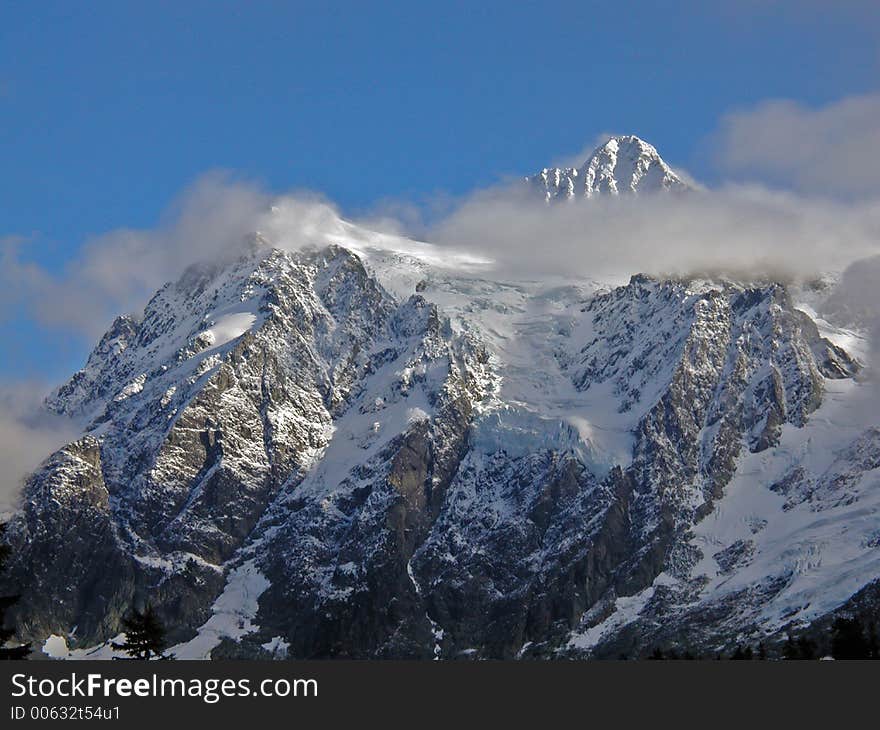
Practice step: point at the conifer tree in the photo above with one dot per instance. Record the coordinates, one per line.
(144, 635)
(873, 646)
(8, 652)
(848, 639)
(806, 648)
(790, 649)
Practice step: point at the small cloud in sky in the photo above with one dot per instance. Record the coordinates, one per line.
(830, 150)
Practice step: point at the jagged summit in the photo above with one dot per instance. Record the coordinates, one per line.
(623, 164)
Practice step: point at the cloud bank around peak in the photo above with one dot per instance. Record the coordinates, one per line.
(735, 231)
(118, 271)
(807, 202)
(827, 158)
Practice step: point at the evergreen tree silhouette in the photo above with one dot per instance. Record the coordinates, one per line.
(873, 647)
(8, 652)
(806, 648)
(790, 649)
(144, 635)
(848, 639)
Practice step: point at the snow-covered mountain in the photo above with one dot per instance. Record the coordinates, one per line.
(371, 447)
(622, 165)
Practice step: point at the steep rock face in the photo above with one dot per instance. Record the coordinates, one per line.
(289, 460)
(337, 549)
(715, 366)
(623, 165)
(777, 557)
(75, 573)
(226, 390)
(530, 541)
(530, 546)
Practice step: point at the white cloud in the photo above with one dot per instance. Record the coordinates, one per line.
(855, 302)
(27, 436)
(733, 231)
(832, 150)
(118, 271)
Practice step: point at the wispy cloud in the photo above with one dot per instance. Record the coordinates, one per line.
(117, 271)
(734, 231)
(831, 150)
(27, 436)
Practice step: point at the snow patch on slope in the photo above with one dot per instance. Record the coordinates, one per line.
(626, 610)
(234, 611)
(230, 327)
(56, 647)
(823, 548)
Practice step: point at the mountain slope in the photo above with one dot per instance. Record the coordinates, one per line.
(371, 448)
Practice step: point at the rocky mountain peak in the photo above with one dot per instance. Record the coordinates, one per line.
(622, 165)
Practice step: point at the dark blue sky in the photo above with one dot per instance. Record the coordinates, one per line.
(108, 109)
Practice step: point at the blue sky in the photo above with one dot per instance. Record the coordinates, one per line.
(109, 109)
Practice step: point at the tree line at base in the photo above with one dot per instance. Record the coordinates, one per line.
(851, 638)
(144, 637)
(144, 633)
